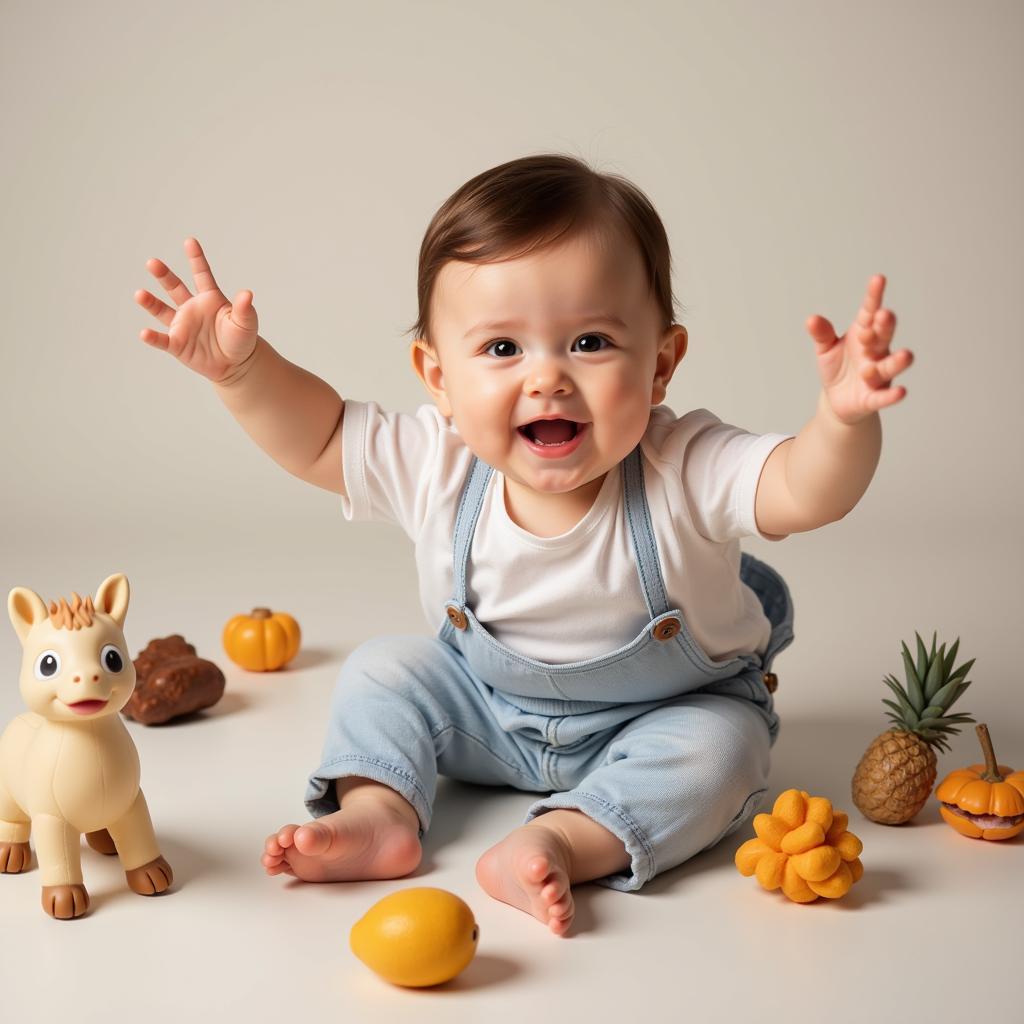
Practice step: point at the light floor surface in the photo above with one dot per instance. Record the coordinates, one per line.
(929, 933)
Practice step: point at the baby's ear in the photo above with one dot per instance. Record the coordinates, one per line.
(671, 350)
(25, 608)
(112, 597)
(675, 340)
(427, 366)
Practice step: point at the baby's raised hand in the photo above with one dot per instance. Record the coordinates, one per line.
(858, 368)
(206, 331)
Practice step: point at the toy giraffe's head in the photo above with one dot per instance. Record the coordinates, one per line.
(75, 663)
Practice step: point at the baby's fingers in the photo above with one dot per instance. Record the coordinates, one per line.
(822, 332)
(872, 300)
(155, 339)
(149, 302)
(201, 272)
(879, 374)
(169, 281)
(162, 312)
(242, 314)
(884, 397)
(175, 341)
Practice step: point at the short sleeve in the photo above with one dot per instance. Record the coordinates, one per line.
(388, 461)
(721, 468)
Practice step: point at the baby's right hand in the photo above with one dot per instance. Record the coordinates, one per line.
(207, 332)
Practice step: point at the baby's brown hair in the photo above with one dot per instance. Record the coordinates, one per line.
(529, 203)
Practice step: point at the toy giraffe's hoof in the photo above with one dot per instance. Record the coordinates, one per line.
(151, 879)
(65, 901)
(14, 857)
(101, 841)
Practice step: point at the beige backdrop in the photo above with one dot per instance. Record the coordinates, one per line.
(792, 149)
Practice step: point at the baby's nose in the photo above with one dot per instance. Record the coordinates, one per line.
(551, 380)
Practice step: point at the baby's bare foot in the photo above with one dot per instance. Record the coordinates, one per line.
(529, 869)
(366, 839)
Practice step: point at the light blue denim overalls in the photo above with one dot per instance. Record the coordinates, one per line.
(665, 748)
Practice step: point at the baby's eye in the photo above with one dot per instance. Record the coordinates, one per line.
(590, 338)
(593, 337)
(505, 342)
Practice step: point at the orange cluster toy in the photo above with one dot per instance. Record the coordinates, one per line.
(804, 848)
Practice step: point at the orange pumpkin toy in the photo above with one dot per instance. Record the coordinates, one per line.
(985, 801)
(263, 641)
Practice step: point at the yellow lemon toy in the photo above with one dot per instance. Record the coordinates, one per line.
(416, 937)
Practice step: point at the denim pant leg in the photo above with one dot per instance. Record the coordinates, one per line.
(405, 709)
(671, 782)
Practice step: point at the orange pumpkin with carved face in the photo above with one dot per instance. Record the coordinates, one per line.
(984, 801)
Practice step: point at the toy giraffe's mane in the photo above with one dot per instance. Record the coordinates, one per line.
(77, 615)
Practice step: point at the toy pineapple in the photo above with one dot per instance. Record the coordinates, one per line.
(896, 774)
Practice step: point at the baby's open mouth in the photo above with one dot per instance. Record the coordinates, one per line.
(550, 432)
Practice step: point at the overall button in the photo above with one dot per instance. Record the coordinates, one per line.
(457, 617)
(771, 680)
(666, 629)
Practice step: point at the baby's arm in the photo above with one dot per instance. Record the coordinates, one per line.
(821, 474)
(293, 415)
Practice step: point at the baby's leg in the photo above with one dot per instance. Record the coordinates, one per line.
(374, 834)
(402, 705)
(671, 783)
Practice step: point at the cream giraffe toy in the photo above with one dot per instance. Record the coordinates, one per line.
(69, 766)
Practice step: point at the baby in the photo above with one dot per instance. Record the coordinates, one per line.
(600, 637)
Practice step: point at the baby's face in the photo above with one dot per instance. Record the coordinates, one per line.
(568, 332)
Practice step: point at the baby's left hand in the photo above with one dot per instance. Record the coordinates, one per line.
(857, 369)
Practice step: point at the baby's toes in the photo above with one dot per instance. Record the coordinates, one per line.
(554, 890)
(557, 897)
(560, 914)
(537, 869)
(284, 837)
(562, 909)
(271, 860)
(312, 840)
(281, 868)
(560, 925)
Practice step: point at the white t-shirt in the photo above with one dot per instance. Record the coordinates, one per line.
(577, 595)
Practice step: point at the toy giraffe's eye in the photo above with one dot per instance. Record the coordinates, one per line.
(47, 665)
(111, 658)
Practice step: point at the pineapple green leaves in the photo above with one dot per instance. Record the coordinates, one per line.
(932, 688)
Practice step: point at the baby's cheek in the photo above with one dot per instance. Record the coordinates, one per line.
(626, 401)
(481, 429)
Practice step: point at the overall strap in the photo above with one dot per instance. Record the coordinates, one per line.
(470, 503)
(638, 517)
(641, 533)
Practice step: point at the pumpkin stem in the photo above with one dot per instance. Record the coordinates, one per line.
(261, 613)
(991, 764)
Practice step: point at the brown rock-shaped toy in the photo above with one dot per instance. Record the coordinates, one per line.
(172, 681)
